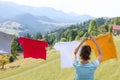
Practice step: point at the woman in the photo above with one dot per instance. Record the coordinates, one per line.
(84, 70)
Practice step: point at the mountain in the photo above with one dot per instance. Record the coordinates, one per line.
(56, 15)
(27, 23)
(20, 19)
(59, 16)
(44, 18)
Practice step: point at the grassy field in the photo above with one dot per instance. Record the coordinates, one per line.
(36, 69)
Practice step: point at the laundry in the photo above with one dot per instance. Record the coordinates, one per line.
(5, 42)
(33, 48)
(107, 45)
(66, 49)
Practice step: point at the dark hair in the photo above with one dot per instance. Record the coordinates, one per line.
(85, 52)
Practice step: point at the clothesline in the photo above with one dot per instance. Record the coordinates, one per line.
(37, 49)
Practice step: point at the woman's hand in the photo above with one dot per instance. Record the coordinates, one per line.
(76, 50)
(93, 38)
(86, 38)
(83, 40)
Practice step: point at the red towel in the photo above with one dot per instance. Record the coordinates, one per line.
(33, 48)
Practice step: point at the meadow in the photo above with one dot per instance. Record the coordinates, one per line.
(37, 69)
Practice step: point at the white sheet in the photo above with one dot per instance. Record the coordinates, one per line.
(66, 49)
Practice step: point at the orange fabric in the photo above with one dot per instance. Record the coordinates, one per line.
(107, 45)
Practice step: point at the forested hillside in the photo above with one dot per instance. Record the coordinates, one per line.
(78, 30)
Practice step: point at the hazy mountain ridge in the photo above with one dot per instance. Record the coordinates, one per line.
(35, 19)
(51, 13)
(26, 23)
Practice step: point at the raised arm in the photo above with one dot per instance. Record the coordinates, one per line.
(98, 48)
(76, 50)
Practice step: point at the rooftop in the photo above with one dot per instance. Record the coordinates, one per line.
(116, 27)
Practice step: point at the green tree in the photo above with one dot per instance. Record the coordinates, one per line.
(38, 36)
(63, 40)
(116, 21)
(77, 37)
(27, 35)
(93, 28)
(72, 34)
(82, 32)
(104, 28)
(3, 61)
(14, 48)
(67, 34)
(11, 59)
(110, 28)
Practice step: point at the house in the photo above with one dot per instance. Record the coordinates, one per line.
(116, 30)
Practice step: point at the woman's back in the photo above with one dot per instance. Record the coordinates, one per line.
(85, 71)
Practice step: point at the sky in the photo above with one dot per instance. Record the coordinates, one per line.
(95, 8)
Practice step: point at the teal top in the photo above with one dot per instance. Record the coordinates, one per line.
(85, 71)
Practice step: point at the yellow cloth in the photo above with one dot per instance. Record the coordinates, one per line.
(106, 44)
